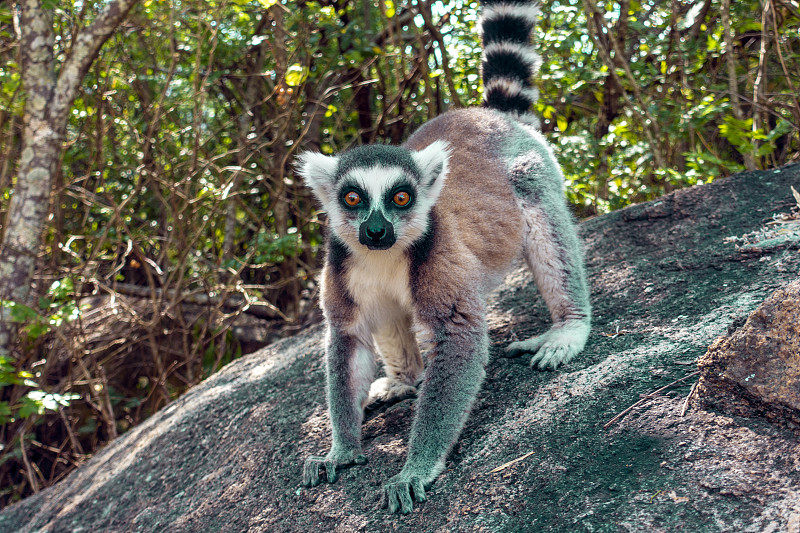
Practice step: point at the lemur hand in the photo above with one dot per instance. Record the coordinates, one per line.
(334, 458)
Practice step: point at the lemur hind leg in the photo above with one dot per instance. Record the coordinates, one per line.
(553, 253)
(402, 361)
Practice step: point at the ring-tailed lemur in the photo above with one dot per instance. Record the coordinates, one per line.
(418, 234)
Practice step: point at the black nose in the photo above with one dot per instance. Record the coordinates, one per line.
(376, 232)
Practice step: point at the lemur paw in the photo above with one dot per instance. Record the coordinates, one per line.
(390, 391)
(401, 491)
(334, 459)
(553, 348)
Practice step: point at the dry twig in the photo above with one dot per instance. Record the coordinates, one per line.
(653, 394)
(689, 398)
(506, 465)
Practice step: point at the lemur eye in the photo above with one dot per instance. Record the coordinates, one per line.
(402, 198)
(352, 199)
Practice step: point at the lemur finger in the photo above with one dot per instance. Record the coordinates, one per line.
(549, 361)
(404, 493)
(553, 356)
(536, 359)
(311, 471)
(544, 357)
(392, 499)
(515, 349)
(419, 489)
(540, 355)
(330, 468)
(399, 497)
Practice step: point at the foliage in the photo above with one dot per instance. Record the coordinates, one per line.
(625, 138)
(178, 211)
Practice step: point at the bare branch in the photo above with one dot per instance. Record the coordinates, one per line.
(83, 53)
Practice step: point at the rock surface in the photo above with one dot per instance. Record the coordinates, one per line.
(668, 277)
(756, 369)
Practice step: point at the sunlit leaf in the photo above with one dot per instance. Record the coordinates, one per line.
(296, 75)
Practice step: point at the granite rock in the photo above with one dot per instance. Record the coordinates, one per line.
(756, 369)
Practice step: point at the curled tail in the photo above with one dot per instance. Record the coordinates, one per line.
(509, 61)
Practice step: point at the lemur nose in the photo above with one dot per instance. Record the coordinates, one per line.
(376, 234)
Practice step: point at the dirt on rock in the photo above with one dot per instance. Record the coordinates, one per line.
(668, 277)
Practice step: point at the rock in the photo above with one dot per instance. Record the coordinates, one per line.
(756, 369)
(667, 278)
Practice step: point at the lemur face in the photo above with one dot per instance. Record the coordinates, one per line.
(377, 197)
(378, 202)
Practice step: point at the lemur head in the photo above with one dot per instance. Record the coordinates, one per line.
(377, 196)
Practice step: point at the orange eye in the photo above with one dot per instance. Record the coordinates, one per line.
(352, 199)
(402, 198)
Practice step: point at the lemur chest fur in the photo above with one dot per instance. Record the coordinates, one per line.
(378, 283)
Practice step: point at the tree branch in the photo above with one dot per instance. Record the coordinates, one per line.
(83, 53)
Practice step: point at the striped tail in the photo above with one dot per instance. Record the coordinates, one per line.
(509, 61)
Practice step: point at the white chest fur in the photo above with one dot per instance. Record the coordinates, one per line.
(379, 285)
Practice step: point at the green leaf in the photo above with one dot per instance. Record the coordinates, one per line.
(6, 364)
(781, 128)
(20, 313)
(36, 330)
(295, 75)
(61, 289)
(5, 413)
(30, 407)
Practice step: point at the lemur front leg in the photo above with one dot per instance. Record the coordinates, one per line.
(350, 367)
(452, 378)
(553, 253)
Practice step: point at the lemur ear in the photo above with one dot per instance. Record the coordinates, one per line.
(318, 171)
(433, 163)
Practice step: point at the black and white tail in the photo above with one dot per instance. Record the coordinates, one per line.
(509, 61)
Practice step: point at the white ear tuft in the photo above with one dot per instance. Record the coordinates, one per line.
(432, 162)
(318, 171)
